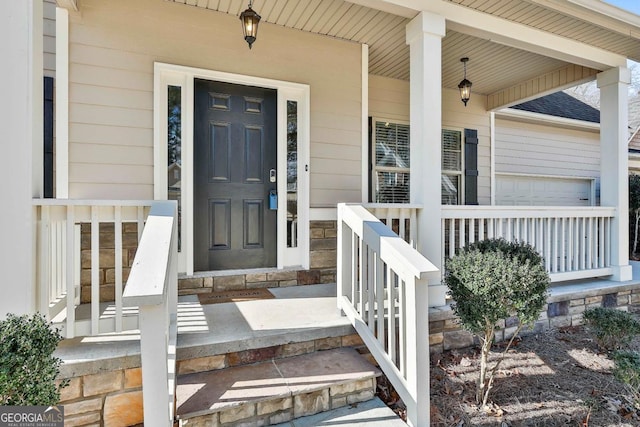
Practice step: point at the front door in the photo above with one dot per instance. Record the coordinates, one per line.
(235, 148)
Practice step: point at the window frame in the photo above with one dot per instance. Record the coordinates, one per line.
(451, 172)
(372, 157)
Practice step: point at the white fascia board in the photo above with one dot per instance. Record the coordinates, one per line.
(70, 5)
(528, 116)
(513, 34)
(611, 11)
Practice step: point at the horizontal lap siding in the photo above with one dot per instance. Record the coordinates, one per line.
(389, 98)
(546, 150)
(49, 37)
(112, 49)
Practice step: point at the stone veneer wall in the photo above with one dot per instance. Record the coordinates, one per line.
(562, 309)
(106, 272)
(323, 256)
(113, 398)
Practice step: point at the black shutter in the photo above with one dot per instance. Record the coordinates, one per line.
(470, 167)
(371, 159)
(48, 137)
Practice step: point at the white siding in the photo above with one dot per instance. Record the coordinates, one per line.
(525, 148)
(112, 49)
(49, 37)
(389, 98)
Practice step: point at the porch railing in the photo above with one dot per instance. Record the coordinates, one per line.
(153, 287)
(401, 218)
(60, 260)
(575, 242)
(383, 290)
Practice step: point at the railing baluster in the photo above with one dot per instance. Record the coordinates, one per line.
(371, 288)
(576, 245)
(452, 238)
(481, 235)
(547, 242)
(402, 228)
(391, 315)
(402, 327)
(555, 244)
(583, 249)
(563, 238)
(608, 244)
(472, 230)
(140, 213)
(71, 289)
(413, 229)
(380, 297)
(362, 273)
(601, 245)
(44, 253)
(117, 228)
(509, 235)
(590, 244)
(95, 270)
(461, 233)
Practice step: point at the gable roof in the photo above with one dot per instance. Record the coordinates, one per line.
(560, 104)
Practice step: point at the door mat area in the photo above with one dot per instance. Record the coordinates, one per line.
(235, 296)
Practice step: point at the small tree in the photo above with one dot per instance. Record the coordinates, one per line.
(489, 281)
(27, 367)
(634, 210)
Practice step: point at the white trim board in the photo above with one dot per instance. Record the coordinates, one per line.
(170, 74)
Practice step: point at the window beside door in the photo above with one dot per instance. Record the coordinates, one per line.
(390, 155)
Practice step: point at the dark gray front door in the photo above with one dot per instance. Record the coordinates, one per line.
(234, 153)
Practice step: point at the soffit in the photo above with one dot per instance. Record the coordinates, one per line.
(491, 67)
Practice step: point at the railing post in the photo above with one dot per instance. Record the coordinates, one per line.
(154, 326)
(345, 250)
(417, 351)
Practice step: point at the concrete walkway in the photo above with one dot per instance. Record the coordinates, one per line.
(372, 413)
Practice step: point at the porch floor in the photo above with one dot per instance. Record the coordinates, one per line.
(296, 314)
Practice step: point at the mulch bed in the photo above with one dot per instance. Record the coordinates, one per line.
(555, 378)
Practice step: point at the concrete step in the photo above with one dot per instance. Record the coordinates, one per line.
(372, 413)
(275, 391)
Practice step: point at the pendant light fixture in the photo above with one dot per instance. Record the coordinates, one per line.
(250, 20)
(465, 85)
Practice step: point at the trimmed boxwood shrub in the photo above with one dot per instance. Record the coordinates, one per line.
(28, 369)
(492, 280)
(613, 329)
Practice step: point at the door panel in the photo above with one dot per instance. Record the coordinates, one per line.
(235, 147)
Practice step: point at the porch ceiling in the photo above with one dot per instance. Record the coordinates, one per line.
(493, 67)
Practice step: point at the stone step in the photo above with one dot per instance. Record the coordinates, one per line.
(372, 413)
(275, 391)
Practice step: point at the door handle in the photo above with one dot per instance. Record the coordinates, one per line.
(272, 175)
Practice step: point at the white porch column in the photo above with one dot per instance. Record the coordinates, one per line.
(614, 184)
(21, 140)
(424, 37)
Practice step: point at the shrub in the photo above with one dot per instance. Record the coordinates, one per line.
(489, 281)
(627, 370)
(27, 367)
(613, 329)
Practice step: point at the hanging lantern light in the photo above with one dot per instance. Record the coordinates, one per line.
(250, 20)
(465, 85)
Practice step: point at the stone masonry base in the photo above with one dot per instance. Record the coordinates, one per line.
(562, 309)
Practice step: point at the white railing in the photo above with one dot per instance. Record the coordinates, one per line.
(58, 269)
(383, 290)
(153, 287)
(401, 218)
(574, 241)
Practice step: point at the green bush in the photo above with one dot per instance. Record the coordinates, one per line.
(613, 329)
(27, 367)
(627, 370)
(492, 280)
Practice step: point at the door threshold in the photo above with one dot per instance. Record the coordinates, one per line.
(239, 272)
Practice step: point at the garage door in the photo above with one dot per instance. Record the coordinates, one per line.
(512, 190)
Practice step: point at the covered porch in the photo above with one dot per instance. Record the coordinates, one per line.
(339, 63)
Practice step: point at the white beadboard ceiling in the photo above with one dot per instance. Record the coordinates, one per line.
(492, 66)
